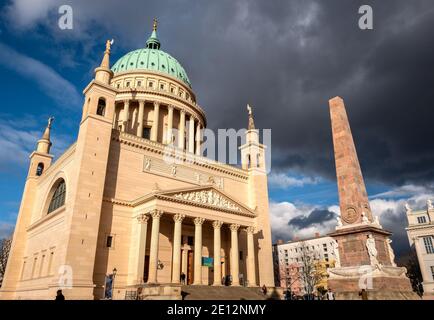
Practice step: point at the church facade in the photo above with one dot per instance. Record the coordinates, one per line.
(134, 197)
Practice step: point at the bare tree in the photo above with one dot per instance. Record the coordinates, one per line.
(309, 273)
(410, 261)
(5, 247)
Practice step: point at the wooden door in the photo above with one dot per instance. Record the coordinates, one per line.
(146, 270)
(190, 265)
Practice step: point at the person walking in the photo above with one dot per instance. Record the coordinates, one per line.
(330, 295)
(59, 296)
(264, 290)
(363, 294)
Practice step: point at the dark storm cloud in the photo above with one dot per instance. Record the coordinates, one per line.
(287, 58)
(317, 216)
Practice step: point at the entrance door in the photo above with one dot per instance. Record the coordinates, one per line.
(146, 270)
(190, 267)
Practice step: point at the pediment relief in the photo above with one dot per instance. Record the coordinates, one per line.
(209, 197)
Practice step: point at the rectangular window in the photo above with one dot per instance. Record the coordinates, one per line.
(147, 133)
(35, 261)
(109, 241)
(432, 272)
(23, 270)
(139, 83)
(151, 84)
(429, 247)
(128, 84)
(241, 256)
(162, 86)
(421, 219)
(50, 263)
(41, 267)
(190, 241)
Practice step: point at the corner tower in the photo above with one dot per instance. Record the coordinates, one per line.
(40, 160)
(91, 159)
(253, 160)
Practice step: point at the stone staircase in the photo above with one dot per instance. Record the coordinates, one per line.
(221, 293)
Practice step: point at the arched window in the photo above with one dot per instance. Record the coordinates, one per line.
(58, 198)
(100, 110)
(40, 169)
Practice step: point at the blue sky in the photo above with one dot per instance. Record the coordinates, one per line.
(43, 70)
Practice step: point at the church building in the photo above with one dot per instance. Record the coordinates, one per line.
(134, 197)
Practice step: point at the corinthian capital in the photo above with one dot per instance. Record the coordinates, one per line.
(250, 229)
(156, 214)
(178, 217)
(217, 224)
(234, 227)
(199, 221)
(142, 218)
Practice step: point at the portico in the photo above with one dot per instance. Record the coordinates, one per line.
(198, 223)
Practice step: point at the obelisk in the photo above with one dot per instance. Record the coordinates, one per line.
(365, 258)
(353, 198)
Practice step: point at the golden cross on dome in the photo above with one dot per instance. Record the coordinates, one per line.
(154, 27)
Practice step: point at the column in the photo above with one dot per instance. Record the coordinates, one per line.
(126, 116)
(181, 133)
(198, 251)
(169, 125)
(176, 261)
(198, 138)
(419, 251)
(153, 255)
(235, 270)
(191, 135)
(251, 272)
(184, 263)
(217, 253)
(142, 220)
(141, 111)
(154, 133)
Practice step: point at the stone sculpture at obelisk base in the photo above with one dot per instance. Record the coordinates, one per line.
(366, 258)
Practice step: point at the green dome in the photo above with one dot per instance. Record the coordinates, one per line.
(151, 58)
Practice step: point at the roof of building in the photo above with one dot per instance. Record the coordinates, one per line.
(151, 58)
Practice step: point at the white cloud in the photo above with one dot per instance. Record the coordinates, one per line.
(6, 230)
(25, 13)
(51, 83)
(16, 143)
(390, 211)
(281, 180)
(403, 191)
(281, 213)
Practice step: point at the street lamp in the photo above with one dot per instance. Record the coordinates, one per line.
(113, 281)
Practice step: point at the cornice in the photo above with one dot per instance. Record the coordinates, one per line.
(178, 154)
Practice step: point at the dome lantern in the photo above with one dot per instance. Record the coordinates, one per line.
(153, 42)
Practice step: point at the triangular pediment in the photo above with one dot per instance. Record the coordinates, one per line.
(207, 196)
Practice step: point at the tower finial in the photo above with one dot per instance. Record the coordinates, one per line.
(44, 143)
(155, 25)
(153, 42)
(251, 121)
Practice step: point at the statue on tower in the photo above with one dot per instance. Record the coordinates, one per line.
(251, 122)
(155, 25)
(50, 121)
(108, 45)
